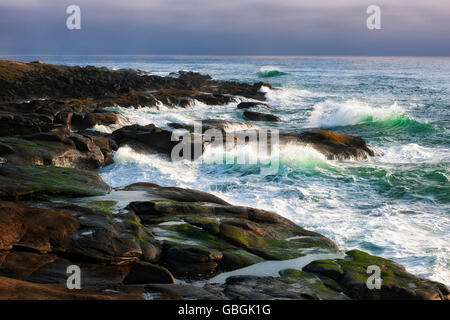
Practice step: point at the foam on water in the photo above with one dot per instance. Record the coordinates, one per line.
(285, 96)
(414, 153)
(332, 113)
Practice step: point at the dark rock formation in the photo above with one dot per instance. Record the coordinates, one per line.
(27, 81)
(174, 193)
(258, 116)
(85, 150)
(292, 284)
(334, 146)
(52, 115)
(350, 275)
(31, 181)
(251, 104)
(221, 236)
(154, 139)
(12, 289)
(218, 124)
(144, 273)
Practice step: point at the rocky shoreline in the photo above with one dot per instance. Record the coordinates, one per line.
(146, 241)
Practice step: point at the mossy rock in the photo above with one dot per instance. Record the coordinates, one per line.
(24, 181)
(314, 283)
(238, 258)
(105, 206)
(187, 233)
(292, 284)
(352, 275)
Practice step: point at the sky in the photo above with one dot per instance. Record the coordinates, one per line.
(226, 27)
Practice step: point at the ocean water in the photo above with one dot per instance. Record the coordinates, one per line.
(396, 205)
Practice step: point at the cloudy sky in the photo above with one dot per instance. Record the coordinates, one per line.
(246, 27)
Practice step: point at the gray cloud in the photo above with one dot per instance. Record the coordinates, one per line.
(227, 27)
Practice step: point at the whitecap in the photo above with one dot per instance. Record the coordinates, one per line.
(332, 113)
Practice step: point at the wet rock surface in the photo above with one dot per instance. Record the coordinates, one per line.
(396, 283)
(258, 116)
(27, 81)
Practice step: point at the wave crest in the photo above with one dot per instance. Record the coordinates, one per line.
(332, 113)
(270, 72)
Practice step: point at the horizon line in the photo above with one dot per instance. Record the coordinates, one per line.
(228, 55)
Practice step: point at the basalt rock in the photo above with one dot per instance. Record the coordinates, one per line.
(292, 284)
(203, 235)
(24, 181)
(396, 283)
(251, 104)
(258, 116)
(38, 244)
(28, 81)
(84, 150)
(218, 124)
(334, 146)
(52, 115)
(174, 193)
(154, 139)
(145, 273)
(12, 289)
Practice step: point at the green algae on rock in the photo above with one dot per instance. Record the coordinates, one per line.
(351, 275)
(24, 181)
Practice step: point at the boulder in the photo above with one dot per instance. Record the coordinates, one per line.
(258, 116)
(251, 104)
(334, 146)
(35, 229)
(174, 193)
(145, 273)
(292, 284)
(81, 151)
(203, 236)
(351, 275)
(180, 292)
(153, 138)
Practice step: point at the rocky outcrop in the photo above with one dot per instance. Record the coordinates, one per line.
(334, 146)
(258, 116)
(292, 284)
(152, 139)
(135, 252)
(219, 236)
(52, 115)
(12, 289)
(349, 276)
(24, 181)
(104, 87)
(252, 104)
(217, 124)
(84, 150)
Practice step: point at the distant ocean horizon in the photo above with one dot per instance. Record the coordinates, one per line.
(396, 205)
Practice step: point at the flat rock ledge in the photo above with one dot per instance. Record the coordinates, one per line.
(141, 248)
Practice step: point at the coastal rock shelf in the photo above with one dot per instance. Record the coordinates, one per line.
(146, 241)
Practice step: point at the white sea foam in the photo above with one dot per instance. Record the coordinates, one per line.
(414, 153)
(285, 96)
(332, 113)
(150, 167)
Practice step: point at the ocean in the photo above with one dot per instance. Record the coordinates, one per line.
(395, 205)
